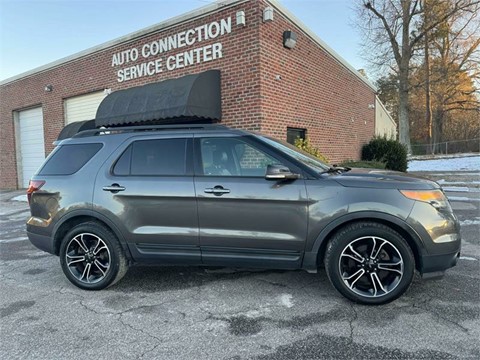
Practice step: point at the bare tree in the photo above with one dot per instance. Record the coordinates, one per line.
(395, 30)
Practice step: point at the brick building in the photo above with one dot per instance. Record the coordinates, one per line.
(267, 84)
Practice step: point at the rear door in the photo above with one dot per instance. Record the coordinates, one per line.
(147, 187)
(245, 219)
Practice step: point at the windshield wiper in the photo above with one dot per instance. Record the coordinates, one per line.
(335, 170)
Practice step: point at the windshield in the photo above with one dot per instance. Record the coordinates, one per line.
(296, 153)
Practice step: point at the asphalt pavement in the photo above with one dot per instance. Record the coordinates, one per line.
(224, 313)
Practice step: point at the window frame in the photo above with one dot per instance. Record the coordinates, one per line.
(129, 143)
(299, 130)
(248, 139)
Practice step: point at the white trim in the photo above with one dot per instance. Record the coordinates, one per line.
(386, 111)
(291, 17)
(164, 25)
(18, 155)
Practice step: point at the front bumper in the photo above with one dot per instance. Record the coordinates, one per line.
(439, 232)
(434, 266)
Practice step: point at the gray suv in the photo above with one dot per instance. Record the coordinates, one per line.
(208, 195)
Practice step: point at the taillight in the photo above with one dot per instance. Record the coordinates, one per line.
(34, 185)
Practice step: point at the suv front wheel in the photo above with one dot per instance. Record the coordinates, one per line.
(91, 257)
(369, 263)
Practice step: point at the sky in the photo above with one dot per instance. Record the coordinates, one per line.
(36, 32)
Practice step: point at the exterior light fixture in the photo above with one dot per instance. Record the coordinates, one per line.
(241, 18)
(289, 39)
(268, 14)
(371, 106)
(48, 88)
(107, 91)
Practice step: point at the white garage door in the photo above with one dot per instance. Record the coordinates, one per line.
(82, 107)
(32, 146)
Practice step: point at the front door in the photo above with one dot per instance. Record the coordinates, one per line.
(243, 218)
(147, 186)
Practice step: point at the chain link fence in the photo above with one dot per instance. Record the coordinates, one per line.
(447, 147)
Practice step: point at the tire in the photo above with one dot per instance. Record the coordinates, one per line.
(92, 257)
(369, 263)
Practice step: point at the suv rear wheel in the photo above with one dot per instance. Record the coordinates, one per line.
(369, 263)
(91, 257)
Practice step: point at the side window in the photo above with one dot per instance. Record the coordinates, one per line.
(153, 158)
(68, 159)
(233, 157)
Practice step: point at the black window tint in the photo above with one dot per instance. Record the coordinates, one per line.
(293, 134)
(69, 159)
(122, 166)
(233, 157)
(159, 157)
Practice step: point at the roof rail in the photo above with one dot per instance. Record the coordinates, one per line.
(126, 129)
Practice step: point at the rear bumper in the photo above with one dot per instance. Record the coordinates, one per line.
(42, 242)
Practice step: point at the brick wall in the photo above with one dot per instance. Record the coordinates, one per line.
(239, 70)
(315, 91)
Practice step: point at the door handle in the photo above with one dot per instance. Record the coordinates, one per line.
(217, 190)
(114, 188)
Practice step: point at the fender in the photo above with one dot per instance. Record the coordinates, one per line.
(310, 258)
(99, 216)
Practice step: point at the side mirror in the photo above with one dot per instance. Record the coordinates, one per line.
(280, 172)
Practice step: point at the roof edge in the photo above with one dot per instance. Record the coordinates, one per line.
(290, 16)
(164, 25)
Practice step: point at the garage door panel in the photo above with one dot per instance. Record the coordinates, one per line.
(82, 107)
(32, 145)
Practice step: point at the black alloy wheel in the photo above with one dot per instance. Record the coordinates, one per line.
(91, 257)
(369, 263)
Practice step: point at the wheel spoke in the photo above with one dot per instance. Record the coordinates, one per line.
(374, 285)
(376, 281)
(356, 276)
(385, 266)
(104, 247)
(377, 246)
(96, 245)
(86, 271)
(81, 243)
(99, 266)
(354, 258)
(75, 259)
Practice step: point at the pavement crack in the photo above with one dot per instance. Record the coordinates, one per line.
(157, 339)
(350, 322)
(447, 320)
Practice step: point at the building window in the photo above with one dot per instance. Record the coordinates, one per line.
(293, 133)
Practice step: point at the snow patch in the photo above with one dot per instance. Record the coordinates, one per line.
(455, 188)
(7, 241)
(20, 198)
(471, 163)
(461, 198)
(470, 222)
(442, 181)
(468, 258)
(286, 300)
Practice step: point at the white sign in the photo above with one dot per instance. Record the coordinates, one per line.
(156, 59)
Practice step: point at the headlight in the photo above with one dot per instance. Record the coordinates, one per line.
(436, 198)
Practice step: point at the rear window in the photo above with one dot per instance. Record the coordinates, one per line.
(68, 159)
